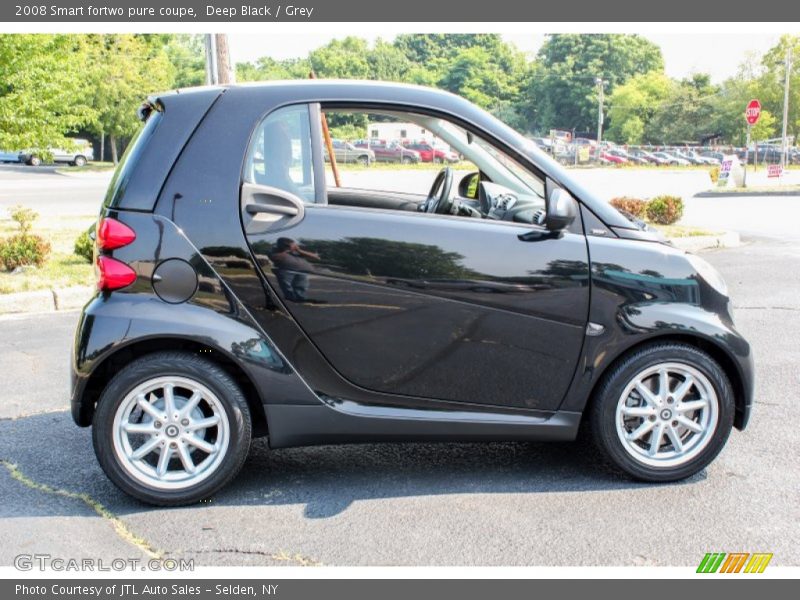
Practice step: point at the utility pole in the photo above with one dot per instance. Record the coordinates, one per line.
(788, 69)
(601, 98)
(219, 69)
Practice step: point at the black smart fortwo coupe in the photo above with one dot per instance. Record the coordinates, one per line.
(247, 287)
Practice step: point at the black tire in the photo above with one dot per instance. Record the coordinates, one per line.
(79, 161)
(34, 161)
(363, 161)
(407, 160)
(184, 365)
(602, 412)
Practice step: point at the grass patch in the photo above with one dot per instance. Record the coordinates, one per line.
(678, 231)
(63, 268)
(756, 189)
(88, 167)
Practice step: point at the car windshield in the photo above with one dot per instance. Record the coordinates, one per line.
(495, 163)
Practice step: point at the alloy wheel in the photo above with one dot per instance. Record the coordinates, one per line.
(667, 414)
(170, 433)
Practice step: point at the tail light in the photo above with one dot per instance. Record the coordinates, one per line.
(113, 274)
(113, 234)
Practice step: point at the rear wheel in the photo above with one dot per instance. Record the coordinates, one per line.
(171, 428)
(664, 413)
(34, 161)
(407, 160)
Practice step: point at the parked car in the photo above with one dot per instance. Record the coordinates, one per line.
(585, 142)
(672, 159)
(238, 298)
(393, 152)
(717, 156)
(620, 153)
(613, 157)
(698, 159)
(346, 152)
(9, 156)
(82, 153)
(648, 157)
(429, 153)
(544, 144)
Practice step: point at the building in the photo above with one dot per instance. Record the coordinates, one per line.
(391, 132)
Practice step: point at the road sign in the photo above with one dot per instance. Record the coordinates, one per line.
(774, 170)
(753, 111)
(724, 173)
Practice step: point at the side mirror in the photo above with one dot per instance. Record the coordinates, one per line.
(468, 186)
(561, 210)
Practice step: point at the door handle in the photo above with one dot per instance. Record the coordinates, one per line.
(254, 208)
(266, 208)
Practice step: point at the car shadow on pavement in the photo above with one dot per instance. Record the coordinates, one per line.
(48, 450)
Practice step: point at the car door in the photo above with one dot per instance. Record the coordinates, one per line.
(413, 306)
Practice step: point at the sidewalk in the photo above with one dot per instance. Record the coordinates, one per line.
(37, 301)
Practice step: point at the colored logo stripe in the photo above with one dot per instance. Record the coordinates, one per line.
(758, 562)
(711, 562)
(734, 562)
(717, 561)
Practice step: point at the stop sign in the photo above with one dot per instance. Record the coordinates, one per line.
(752, 112)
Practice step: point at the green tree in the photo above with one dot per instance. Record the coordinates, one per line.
(771, 83)
(42, 93)
(268, 69)
(562, 91)
(186, 55)
(122, 70)
(687, 114)
(341, 59)
(633, 104)
(766, 127)
(387, 62)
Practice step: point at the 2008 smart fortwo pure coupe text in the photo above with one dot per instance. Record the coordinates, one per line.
(243, 293)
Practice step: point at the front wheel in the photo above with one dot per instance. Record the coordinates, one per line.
(363, 161)
(171, 428)
(34, 161)
(79, 161)
(664, 413)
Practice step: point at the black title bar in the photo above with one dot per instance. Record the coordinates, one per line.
(467, 11)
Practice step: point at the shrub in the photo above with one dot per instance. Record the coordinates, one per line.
(664, 210)
(23, 249)
(84, 246)
(633, 206)
(24, 217)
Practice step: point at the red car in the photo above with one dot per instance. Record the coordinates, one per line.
(613, 158)
(393, 152)
(428, 153)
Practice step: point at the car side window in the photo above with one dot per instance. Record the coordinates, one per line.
(280, 153)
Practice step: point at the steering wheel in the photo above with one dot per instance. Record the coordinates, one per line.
(439, 200)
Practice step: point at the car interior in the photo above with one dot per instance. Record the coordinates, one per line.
(493, 186)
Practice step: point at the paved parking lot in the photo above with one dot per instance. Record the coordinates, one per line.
(442, 504)
(416, 504)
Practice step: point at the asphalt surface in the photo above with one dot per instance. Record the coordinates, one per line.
(416, 504)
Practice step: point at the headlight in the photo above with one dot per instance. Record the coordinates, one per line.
(709, 273)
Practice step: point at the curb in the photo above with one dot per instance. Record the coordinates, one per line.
(726, 239)
(743, 194)
(43, 301)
